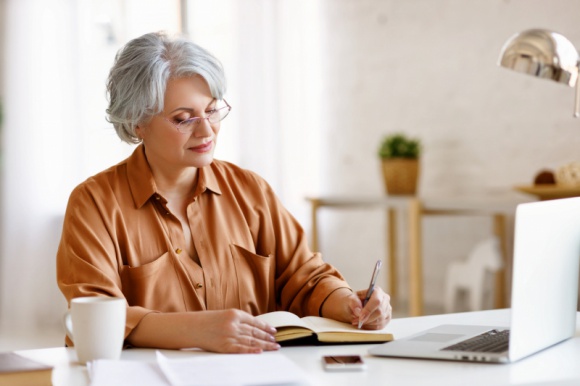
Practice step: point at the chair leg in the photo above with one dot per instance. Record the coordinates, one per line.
(476, 292)
(451, 289)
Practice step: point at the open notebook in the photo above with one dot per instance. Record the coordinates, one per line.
(291, 327)
(544, 295)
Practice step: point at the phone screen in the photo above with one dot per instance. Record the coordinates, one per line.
(343, 362)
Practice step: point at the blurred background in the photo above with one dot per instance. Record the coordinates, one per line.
(315, 85)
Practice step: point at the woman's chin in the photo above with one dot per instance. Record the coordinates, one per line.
(202, 161)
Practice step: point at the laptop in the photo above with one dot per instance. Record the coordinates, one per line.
(543, 300)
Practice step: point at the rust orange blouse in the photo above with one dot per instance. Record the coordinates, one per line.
(120, 239)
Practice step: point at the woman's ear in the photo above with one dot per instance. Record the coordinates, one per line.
(139, 132)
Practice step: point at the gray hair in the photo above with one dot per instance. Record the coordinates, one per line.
(138, 79)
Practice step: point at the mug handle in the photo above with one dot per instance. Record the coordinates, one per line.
(67, 323)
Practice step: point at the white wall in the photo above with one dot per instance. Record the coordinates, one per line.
(428, 68)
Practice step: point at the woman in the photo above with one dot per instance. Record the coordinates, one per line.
(197, 246)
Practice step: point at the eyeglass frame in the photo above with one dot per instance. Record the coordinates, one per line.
(197, 120)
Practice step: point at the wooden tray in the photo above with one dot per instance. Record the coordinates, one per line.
(549, 192)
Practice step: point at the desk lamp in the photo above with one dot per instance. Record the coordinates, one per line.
(544, 54)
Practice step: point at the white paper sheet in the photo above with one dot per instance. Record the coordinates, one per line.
(231, 370)
(212, 370)
(107, 372)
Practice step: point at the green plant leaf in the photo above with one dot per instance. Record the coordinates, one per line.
(398, 145)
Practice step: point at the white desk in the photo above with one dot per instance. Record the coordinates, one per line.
(558, 365)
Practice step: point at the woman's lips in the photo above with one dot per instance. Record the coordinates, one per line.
(203, 148)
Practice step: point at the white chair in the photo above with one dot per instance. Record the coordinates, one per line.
(470, 275)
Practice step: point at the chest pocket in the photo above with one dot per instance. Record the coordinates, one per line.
(255, 277)
(154, 285)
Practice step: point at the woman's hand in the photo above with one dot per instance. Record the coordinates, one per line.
(235, 331)
(345, 306)
(224, 331)
(377, 313)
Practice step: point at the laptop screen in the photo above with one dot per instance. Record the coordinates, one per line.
(545, 275)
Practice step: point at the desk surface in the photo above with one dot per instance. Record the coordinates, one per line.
(558, 365)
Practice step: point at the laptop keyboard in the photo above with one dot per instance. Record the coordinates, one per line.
(490, 341)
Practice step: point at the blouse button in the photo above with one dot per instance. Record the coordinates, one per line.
(178, 251)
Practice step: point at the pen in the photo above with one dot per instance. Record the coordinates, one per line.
(371, 285)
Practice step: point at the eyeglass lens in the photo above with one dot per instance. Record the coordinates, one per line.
(213, 118)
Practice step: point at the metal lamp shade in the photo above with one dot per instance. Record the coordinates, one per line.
(544, 54)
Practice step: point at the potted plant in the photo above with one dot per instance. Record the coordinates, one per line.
(400, 163)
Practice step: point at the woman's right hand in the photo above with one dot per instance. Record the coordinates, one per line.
(234, 331)
(223, 331)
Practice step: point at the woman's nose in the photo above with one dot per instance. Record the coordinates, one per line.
(203, 128)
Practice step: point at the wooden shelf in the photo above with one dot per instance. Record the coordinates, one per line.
(549, 192)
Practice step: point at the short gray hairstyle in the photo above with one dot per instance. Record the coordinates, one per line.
(138, 79)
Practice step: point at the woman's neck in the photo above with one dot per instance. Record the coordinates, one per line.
(172, 181)
(177, 183)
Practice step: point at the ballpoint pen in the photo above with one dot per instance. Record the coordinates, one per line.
(371, 286)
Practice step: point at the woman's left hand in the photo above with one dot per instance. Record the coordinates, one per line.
(345, 306)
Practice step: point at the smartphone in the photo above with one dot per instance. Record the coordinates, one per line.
(343, 363)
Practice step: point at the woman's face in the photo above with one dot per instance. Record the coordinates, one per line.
(165, 146)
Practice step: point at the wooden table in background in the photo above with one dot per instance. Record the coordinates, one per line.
(416, 208)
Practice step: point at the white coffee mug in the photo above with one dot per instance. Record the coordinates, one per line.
(96, 325)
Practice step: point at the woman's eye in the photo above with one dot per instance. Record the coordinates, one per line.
(211, 111)
(180, 119)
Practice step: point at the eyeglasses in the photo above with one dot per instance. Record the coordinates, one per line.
(213, 117)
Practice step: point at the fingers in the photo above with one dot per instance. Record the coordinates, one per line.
(377, 312)
(378, 320)
(253, 335)
(355, 305)
(259, 337)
